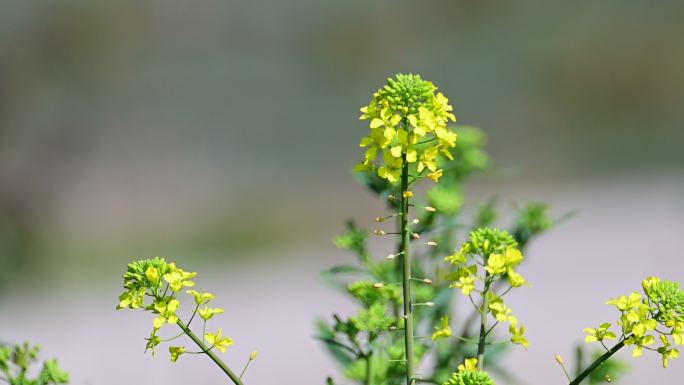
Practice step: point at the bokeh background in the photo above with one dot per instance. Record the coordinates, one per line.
(222, 135)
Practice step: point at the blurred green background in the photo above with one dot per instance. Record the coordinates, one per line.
(222, 134)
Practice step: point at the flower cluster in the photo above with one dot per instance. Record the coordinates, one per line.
(408, 123)
(659, 313)
(468, 374)
(163, 284)
(490, 255)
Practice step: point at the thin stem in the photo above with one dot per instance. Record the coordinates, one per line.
(236, 380)
(566, 372)
(245, 368)
(597, 363)
(174, 337)
(340, 344)
(579, 359)
(476, 342)
(505, 292)
(483, 324)
(464, 339)
(406, 282)
(193, 316)
(491, 328)
(201, 351)
(368, 369)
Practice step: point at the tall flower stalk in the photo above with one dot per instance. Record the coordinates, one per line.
(408, 123)
(405, 252)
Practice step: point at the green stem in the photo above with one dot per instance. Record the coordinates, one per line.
(368, 369)
(597, 363)
(406, 281)
(236, 380)
(244, 370)
(483, 324)
(579, 360)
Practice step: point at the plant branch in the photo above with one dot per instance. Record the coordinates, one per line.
(597, 363)
(236, 380)
(483, 324)
(340, 344)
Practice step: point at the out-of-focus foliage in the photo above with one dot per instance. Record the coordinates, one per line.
(16, 362)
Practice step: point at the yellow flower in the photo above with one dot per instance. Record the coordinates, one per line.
(466, 284)
(177, 278)
(217, 340)
(515, 279)
(436, 175)
(201, 298)
(132, 298)
(428, 159)
(496, 264)
(470, 365)
(518, 335)
(444, 331)
(167, 312)
(207, 313)
(176, 352)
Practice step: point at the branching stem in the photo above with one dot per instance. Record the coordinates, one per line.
(597, 363)
(236, 380)
(484, 311)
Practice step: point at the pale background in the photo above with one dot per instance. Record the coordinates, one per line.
(221, 135)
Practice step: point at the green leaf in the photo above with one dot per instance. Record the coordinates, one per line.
(374, 319)
(446, 198)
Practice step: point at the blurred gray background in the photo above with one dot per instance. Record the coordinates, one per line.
(221, 135)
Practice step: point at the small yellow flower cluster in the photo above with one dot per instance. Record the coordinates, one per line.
(503, 313)
(643, 317)
(162, 282)
(490, 255)
(408, 123)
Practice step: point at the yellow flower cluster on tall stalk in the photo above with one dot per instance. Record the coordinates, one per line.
(408, 123)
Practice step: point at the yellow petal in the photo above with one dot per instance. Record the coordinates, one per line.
(375, 123)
